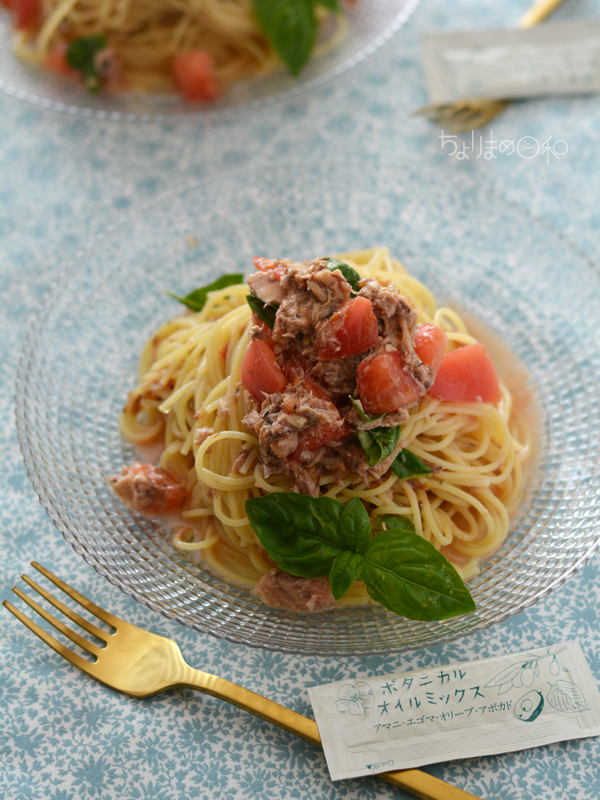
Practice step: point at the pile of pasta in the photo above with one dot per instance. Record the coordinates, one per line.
(147, 35)
(189, 381)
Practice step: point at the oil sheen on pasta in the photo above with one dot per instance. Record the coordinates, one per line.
(189, 382)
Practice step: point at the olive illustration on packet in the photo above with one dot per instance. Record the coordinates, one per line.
(530, 706)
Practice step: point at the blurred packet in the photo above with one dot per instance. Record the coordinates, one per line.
(552, 59)
(495, 705)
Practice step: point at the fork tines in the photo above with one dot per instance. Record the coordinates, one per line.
(65, 652)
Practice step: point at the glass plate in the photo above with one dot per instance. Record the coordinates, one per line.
(474, 250)
(371, 23)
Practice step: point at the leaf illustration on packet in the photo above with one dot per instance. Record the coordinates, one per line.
(567, 697)
(523, 673)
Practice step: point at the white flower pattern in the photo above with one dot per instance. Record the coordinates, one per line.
(355, 698)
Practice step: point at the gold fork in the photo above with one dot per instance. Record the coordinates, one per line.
(139, 663)
(463, 115)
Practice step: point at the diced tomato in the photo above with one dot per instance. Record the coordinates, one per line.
(384, 386)
(272, 265)
(430, 345)
(194, 76)
(28, 13)
(260, 371)
(351, 330)
(318, 435)
(7, 4)
(56, 61)
(317, 390)
(467, 375)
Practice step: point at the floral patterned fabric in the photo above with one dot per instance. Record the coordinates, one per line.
(64, 736)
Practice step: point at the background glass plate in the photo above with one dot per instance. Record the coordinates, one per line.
(371, 23)
(473, 250)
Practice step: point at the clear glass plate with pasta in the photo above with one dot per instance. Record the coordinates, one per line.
(508, 475)
(150, 61)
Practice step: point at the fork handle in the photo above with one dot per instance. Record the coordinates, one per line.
(539, 12)
(415, 781)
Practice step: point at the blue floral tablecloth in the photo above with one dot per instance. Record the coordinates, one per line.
(63, 180)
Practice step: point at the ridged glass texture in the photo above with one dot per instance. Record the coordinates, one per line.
(371, 23)
(475, 251)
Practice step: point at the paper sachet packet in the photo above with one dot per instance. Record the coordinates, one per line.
(552, 59)
(494, 705)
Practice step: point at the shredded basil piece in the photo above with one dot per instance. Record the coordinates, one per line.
(313, 537)
(408, 465)
(81, 55)
(358, 408)
(196, 300)
(378, 443)
(351, 275)
(264, 311)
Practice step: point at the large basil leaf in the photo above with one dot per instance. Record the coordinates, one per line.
(355, 526)
(264, 311)
(408, 576)
(332, 5)
(196, 300)
(290, 25)
(378, 443)
(408, 465)
(397, 522)
(300, 533)
(351, 275)
(346, 569)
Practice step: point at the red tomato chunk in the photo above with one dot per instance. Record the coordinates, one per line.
(319, 435)
(430, 345)
(28, 13)
(194, 76)
(260, 372)
(351, 330)
(467, 375)
(384, 386)
(56, 61)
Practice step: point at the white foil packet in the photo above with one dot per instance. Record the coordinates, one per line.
(552, 59)
(495, 705)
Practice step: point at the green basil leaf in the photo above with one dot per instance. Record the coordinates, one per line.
(357, 407)
(351, 275)
(328, 511)
(397, 523)
(346, 569)
(300, 533)
(332, 5)
(355, 526)
(81, 55)
(264, 311)
(290, 26)
(196, 300)
(378, 443)
(408, 576)
(407, 465)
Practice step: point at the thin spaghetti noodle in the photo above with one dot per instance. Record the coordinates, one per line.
(189, 397)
